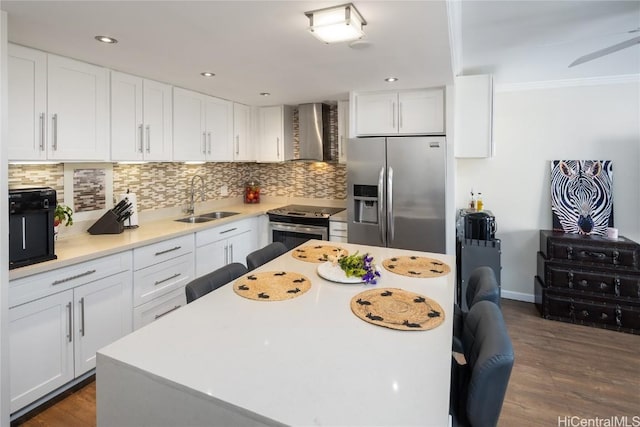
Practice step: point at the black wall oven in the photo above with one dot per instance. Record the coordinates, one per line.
(31, 236)
(295, 224)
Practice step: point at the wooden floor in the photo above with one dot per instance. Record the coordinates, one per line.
(561, 370)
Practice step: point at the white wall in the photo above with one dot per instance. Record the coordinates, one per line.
(532, 126)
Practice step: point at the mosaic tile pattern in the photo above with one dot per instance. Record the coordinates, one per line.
(89, 187)
(163, 185)
(38, 176)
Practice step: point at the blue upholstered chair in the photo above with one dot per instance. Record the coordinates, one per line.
(482, 286)
(212, 281)
(262, 256)
(479, 387)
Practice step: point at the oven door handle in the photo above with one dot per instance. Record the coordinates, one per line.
(296, 228)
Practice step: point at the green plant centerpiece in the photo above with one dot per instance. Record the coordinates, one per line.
(63, 215)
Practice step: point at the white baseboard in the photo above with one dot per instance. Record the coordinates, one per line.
(518, 296)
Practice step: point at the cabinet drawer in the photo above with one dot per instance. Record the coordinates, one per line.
(162, 251)
(337, 228)
(40, 285)
(594, 250)
(153, 310)
(159, 279)
(340, 239)
(223, 232)
(600, 281)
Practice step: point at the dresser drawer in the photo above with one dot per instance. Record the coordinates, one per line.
(594, 250)
(160, 307)
(608, 315)
(159, 279)
(43, 284)
(159, 252)
(596, 281)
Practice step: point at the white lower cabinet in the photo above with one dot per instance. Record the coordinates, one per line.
(338, 231)
(54, 339)
(219, 246)
(162, 270)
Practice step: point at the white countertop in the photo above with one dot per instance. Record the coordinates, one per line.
(304, 361)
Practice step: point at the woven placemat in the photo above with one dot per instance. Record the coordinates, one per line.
(397, 309)
(272, 285)
(416, 266)
(318, 253)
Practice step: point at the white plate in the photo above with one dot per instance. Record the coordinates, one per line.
(334, 273)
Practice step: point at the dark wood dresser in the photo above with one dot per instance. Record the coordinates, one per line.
(589, 280)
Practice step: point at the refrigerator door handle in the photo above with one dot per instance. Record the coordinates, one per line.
(390, 205)
(381, 222)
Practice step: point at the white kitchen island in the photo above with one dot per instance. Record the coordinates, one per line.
(225, 360)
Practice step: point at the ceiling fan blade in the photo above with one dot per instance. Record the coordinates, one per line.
(606, 51)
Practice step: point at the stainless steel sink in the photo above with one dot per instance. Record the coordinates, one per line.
(218, 214)
(194, 219)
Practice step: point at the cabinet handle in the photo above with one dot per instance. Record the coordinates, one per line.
(615, 255)
(42, 131)
(158, 282)
(166, 251)
(393, 115)
(54, 128)
(209, 141)
(570, 279)
(231, 252)
(231, 229)
(167, 312)
(204, 143)
(583, 283)
(77, 276)
(618, 315)
(569, 252)
(82, 316)
(148, 139)
(141, 131)
(69, 330)
(588, 254)
(585, 313)
(616, 286)
(400, 114)
(24, 233)
(237, 144)
(226, 254)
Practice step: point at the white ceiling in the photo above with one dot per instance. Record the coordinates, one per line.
(263, 46)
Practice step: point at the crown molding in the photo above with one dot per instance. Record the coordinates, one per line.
(554, 84)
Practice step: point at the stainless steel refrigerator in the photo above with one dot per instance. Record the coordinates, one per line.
(396, 192)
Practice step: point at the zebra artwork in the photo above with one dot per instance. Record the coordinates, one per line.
(581, 196)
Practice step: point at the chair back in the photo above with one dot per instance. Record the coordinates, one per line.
(212, 281)
(489, 353)
(483, 286)
(262, 256)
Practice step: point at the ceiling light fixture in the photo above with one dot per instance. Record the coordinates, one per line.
(336, 24)
(207, 74)
(106, 39)
(264, 94)
(391, 79)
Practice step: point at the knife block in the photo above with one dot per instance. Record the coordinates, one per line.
(107, 224)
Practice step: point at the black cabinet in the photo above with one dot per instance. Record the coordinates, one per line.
(589, 280)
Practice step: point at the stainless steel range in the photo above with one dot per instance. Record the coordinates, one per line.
(295, 224)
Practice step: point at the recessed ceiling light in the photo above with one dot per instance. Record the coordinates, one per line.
(391, 79)
(106, 39)
(264, 94)
(207, 74)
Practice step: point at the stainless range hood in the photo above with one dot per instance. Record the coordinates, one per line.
(314, 132)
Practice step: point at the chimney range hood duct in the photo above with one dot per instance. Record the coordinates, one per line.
(313, 122)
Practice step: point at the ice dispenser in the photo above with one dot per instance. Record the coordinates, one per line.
(365, 198)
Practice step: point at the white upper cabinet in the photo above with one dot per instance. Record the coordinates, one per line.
(141, 119)
(275, 134)
(78, 110)
(202, 127)
(242, 142)
(412, 112)
(58, 108)
(473, 116)
(27, 115)
(343, 130)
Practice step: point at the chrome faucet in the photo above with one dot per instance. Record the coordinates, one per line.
(191, 209)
